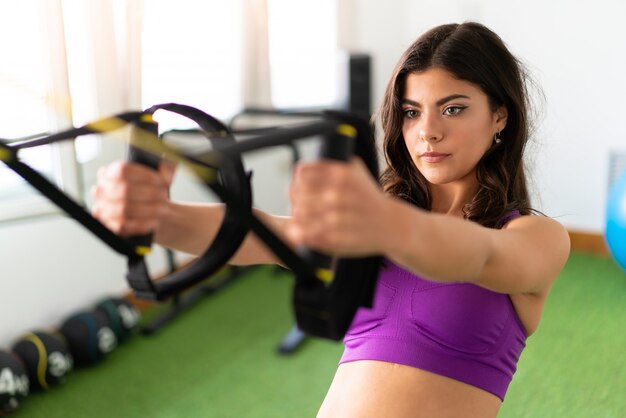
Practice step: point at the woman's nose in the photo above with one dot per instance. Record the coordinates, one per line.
(430, 128)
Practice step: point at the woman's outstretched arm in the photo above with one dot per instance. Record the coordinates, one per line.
(339, 209)
(131, 199)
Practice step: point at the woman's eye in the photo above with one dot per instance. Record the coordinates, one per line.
(453, 110)
(410, 113)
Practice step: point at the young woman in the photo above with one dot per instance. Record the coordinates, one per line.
(468, 263)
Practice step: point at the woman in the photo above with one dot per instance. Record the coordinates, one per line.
(468, 263)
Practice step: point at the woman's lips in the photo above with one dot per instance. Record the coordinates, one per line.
(433, 157)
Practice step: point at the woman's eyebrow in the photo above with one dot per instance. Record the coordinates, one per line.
(439, 102)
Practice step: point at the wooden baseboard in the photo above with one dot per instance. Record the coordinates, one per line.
(141, 304)
(588, 242)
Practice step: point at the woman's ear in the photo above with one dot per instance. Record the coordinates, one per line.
(501, 115)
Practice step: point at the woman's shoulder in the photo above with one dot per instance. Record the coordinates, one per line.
(516, 217)
(543, 231)
(529, 253)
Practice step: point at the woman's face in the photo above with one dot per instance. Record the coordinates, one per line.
(448, 125)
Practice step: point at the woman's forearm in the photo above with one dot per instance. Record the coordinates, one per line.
(191, 228)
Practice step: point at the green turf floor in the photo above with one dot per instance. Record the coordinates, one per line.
(219, 359)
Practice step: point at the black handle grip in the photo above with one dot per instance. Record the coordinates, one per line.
(143, 130)
(338, 146)
(231, 184)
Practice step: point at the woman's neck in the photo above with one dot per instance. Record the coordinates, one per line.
(450, 198)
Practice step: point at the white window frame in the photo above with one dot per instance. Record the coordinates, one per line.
(65, 172)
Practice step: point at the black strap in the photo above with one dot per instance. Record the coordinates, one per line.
(64, 202)
(56, 195)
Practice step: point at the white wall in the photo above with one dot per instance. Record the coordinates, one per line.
(576, 50)
(577, 53)
(50, 267)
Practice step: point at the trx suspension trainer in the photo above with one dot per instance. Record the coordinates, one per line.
(327, 292)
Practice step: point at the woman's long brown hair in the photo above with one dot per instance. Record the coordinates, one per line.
(470, 52)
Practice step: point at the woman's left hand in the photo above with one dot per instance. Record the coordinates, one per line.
(337, 208)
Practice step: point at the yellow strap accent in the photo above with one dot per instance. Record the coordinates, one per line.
(107, 124)
(347, 130)
(145, 140)
(325, 275)
(42, 365)
(146, 117)
(142, 250)
(5, 155)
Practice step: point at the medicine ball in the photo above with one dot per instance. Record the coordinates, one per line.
(89, 337)
(46, 357)
(108, 309)
(129, 313)
(13, 382)
(123, 316)
(615, 230)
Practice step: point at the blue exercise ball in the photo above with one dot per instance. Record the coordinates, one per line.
(616, 221)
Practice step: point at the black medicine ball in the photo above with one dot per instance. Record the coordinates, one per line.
(13, 382)
(89, 337)
(46, 357)
(129, 313)
(108, 310)
(123, 316)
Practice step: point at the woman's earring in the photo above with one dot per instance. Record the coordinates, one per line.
(497, 139)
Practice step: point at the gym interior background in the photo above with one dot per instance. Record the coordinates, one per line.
(70, 62)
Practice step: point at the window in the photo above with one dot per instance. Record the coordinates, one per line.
(26, 103)
(191, 53)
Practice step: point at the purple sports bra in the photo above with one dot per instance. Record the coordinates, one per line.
(457, 330)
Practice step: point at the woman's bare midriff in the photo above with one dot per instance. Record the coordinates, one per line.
(368, 388)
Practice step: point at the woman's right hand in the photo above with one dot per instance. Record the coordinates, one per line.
(130, 198)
